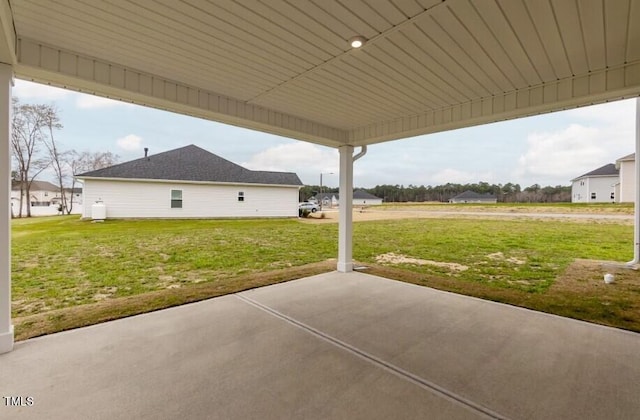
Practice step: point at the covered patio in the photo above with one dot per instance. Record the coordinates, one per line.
(326, 346)
(336, 345)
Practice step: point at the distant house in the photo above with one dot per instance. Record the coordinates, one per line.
(626, 191)
(360, 198)
(44, 198)
(597, 186)
(189, 182)
(474, 197)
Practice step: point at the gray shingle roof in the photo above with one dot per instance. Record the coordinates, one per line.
(191, 163)
(36, 186)
(607, 170)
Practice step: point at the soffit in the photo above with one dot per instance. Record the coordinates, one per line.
(428, 64)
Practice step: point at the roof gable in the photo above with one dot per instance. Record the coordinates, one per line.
(607, 170)
(631, 156)
(191, 163)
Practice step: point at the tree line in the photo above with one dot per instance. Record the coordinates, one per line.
(504, 193)
(36, 148)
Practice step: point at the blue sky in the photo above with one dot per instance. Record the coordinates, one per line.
(548, 149)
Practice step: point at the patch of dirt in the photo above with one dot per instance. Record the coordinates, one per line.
(587, 276)
(499, 256)
(392, 258)
(107, 293)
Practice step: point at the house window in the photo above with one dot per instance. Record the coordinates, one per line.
(240, 196)
(593, 196)
(176, 199)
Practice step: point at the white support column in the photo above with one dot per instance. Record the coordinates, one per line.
(345, 228)
(6, 329)
(636, 225)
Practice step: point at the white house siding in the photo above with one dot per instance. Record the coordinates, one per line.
(50, 209)
(133, 199)
(627, 182)
(603, 187)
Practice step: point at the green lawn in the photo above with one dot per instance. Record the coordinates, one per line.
(100, 271)
(63, 261)
(522, 254)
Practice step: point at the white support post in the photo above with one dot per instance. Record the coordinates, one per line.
(345, 228)
(636, 224)
(6, 329)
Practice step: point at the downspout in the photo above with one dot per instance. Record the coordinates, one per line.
(363, 151)
(636, 223)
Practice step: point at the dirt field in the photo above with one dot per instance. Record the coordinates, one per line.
(373, 213)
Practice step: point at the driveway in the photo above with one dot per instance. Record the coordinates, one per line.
(341, 346)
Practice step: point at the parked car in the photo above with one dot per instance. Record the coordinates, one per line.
(312, 207)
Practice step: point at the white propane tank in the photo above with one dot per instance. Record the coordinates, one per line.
(98, 211)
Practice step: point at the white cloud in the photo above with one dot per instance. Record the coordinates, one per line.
(29, 90)
(563, 153)
(85, 101)
(618, 113)
(305, 159)
(455, 176)
(604, 133)
(129, 143)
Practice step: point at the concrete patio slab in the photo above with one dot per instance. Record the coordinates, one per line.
(336, 345)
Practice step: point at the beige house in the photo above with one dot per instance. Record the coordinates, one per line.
(44, 198)
(626, 187)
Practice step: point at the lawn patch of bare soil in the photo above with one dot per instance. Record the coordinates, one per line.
(579, 292)
(108, 309)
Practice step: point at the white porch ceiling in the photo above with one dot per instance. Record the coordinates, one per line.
(285, 66)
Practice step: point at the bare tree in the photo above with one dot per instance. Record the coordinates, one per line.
(51, 122)
(26, 138)
(85, 162)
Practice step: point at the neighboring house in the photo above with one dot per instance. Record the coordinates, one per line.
(44, 198)
(626, 191)
(360, 198)
(597, 186)
(189, 182)
(474, 197)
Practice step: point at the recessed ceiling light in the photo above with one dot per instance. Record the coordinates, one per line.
(357, 41)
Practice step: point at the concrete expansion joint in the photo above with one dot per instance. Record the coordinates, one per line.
(378, 362)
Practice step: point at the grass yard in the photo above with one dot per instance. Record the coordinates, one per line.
(69, 273)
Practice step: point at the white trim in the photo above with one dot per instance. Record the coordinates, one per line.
(178, 181)
(171, 190)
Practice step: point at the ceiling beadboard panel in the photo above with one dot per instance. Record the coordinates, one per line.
(292, 57)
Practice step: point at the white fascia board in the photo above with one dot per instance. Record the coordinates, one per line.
(176, 181)
(42, 63)
(608, 84)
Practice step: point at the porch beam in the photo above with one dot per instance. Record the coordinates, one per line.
(6, 329)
